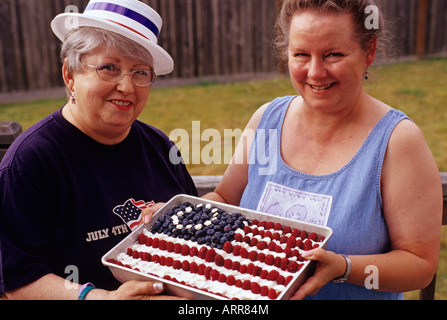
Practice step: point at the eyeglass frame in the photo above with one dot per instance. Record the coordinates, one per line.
(131, 73)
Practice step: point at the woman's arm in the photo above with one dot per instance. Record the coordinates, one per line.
(52, 287)
(412, 207)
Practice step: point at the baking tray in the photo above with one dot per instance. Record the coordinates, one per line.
(124, 274)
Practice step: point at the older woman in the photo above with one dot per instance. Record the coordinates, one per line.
(75, 184)
(345, 159)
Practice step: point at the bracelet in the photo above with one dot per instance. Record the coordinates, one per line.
(345, 277)
(84, 290)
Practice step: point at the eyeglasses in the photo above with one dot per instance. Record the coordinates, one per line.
(113, 73)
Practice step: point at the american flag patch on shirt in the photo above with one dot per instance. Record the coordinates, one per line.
(131, 212)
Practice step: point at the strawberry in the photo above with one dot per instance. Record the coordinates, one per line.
(215, 275)
(169, 261)
(268, 234)
(272, 246)
(219, 260)
(222, 278)
(254, 222)
(193, 252)
(261, 257)
(237, 250)
(292, 267)
(288, 279)
(177, 265)
(299, 243)
(276, 236)
(262, 224)
(284, 264)
(210, 254)
(278, 249)
(272, 275)
(255, 288)
(253, 255)
(296, 233)
(291, 242)
(177, 248)
(149, 242)
(244, 253)
(186, 266)
(280, 279)
(207, 273)
(155, 243)
(185, 250)
(162, 260)
(247, 229)
(228, 247)
(261, 245)
(147, 256)
(246, 239)
(236, 266)
(277, 262)
(201, 269)
(303, 235)
(155, 258)
(283, 239)
(142, 239)
(269, 260)
(307, 245)
(238, 237)
(264, 274)
(253, 242)
(243, 268)
(288, 252)
(313, 236)
(129, 252)
(277, 226)
(231, 280)
(269, 225)
(169, 246)
(162, 245)
(272, 294)
(238, 283)
(246, 285)
(228, 264)
(202, 252)
(135, 254)
(287, 230)
(264, 291)
(255, 231)
(194, 268)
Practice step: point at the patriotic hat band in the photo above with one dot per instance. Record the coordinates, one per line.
(130, 18)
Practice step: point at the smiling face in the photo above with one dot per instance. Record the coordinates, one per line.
(326, 62)
(105, 110)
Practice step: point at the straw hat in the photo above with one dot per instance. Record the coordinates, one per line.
(130, 18)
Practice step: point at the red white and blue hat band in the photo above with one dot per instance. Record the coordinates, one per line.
(126, 12)
(130, 18)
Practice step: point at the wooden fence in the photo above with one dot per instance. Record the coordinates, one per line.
(205, 37)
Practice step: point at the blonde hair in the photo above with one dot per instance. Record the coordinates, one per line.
(357, 8)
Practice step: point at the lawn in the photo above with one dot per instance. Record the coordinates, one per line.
(417, 88)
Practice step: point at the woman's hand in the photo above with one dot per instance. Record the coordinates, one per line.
(330, 266)
(138, 290)
(149, 212)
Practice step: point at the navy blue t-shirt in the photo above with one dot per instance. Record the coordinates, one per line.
(66, 200)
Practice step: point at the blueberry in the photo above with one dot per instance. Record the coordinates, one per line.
(210, 232)
(223, 240)
(227, 228)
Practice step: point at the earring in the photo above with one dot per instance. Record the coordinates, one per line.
(73, 99)
(366, 75)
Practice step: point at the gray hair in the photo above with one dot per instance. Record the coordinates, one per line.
(79, 42)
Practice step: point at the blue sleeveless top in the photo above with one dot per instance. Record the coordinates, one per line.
(349, 201)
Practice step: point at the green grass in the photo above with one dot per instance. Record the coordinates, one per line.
(417, 88)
